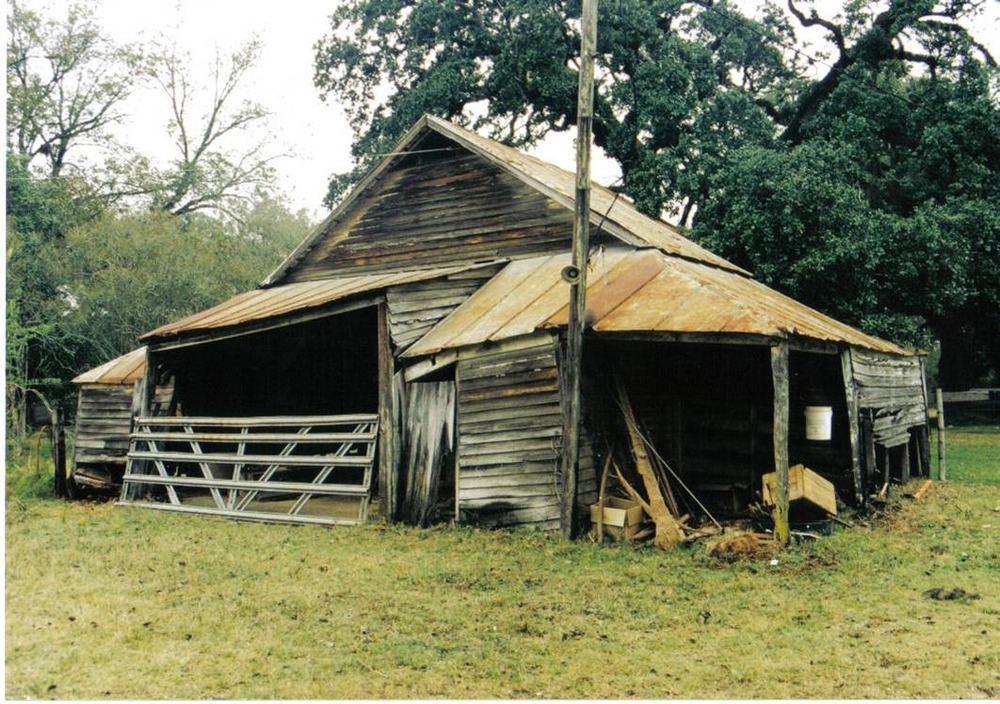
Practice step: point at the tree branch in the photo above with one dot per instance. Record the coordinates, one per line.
(815, 20)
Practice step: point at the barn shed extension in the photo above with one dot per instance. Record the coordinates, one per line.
(407, 361)
(104, 420)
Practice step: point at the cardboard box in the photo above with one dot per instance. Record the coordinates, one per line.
(623, 518)
(807, 491)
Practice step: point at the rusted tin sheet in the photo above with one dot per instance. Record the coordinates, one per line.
(263, 304)
(122, 370)
(634, 290)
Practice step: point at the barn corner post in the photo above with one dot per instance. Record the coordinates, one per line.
(939, 405)
(853, 425)
(779, 375)
(388, 412)
(576, 274)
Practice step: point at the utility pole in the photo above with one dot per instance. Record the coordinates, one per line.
(576, 273)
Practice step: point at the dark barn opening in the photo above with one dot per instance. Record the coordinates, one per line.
(707, 409)
(321, 367)
(277, 424)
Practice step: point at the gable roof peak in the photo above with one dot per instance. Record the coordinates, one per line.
(615, 215)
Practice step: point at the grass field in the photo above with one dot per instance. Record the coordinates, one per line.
(105, 602)
(972, 454)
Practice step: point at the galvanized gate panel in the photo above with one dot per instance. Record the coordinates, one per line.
(301, 469)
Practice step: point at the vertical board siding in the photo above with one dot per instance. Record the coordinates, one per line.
(446, 210)
(428, 447)
(893, 388)
(510, 435)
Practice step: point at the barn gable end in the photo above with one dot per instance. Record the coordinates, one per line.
(449, 207)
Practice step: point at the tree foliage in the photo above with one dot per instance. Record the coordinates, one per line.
(676, 88)
(889, 205)
(181, 264)
(859, 174)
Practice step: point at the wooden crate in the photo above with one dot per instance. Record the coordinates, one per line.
(805, 489)
(622, 517)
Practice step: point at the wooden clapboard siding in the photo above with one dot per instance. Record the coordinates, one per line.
(103, 420)
(103, 425)
(509, 436)
(452, 207)
(415, 308)
(893, 388)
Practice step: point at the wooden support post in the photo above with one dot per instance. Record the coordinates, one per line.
(923, 436)
(904, 462)
(678, 433)
(871, 464)
(918, 460)
(576, 274)
(60, 485)
(752, 449)
(144, 391)
(779, 376)
(851, 395)
(388, 413)
(924, 448)
(942, 469)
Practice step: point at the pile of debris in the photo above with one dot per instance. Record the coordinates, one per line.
(638, 487)
(623, 517)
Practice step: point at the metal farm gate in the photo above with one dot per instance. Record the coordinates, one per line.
(304, 469)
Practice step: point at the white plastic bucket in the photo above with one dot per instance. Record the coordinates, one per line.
(819, 420)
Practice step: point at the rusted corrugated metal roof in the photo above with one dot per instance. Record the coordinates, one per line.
(615, 214)
(266, 303)
(122, 370)
(634, 290)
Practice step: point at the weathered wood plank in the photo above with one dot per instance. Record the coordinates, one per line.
(474, 482)
(484, 405)
(879, 398)
(532, 417)
(471, 440)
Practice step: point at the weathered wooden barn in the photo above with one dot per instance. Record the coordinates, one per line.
(406, 360)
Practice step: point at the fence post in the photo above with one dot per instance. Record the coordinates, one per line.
(939, 399)
(59, 453)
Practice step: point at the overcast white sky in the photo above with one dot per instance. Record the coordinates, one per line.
(315, 134)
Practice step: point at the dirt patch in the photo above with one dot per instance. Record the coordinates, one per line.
(741, 547)
(956, 594)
